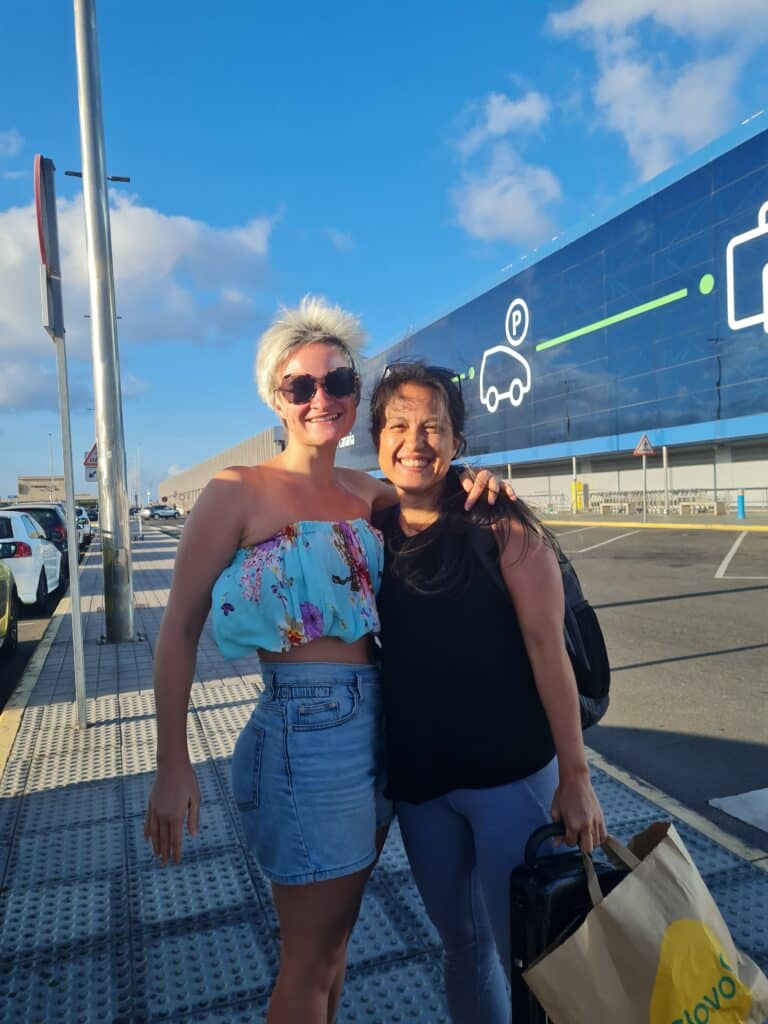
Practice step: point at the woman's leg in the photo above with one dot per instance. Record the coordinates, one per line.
(338, 981)
(441, 852)
(502, 819)
(316, 921)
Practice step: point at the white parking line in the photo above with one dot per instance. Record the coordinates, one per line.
(602, 543)
(720, 574)
(581, 529)
(751, 807)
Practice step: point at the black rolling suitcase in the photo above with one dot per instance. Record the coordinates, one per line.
(548, 900)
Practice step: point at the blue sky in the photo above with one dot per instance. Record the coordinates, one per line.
(394, 159)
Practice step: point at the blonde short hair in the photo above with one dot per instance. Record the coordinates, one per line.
(311, 321)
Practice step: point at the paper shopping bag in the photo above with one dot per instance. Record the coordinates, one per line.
(655, 950)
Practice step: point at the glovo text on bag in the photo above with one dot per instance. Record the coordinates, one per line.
(695, 984)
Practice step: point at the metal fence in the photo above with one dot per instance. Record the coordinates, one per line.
(722, 501)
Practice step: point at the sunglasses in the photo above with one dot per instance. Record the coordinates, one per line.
(403, 369)
(339, 383)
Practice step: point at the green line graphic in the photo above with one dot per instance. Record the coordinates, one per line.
(627, 314)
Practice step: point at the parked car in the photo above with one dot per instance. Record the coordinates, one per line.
(160, 512)
(51, 516)
(84, 528)
(9, 613)
(93, 514)
(32, 559)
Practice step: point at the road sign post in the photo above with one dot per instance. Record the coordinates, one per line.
(645, 448)
(53, 323)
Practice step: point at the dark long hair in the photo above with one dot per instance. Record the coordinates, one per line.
(453, 570)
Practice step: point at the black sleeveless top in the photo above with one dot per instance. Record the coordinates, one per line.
(461, 706)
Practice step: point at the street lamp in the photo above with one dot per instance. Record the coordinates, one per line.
(50, 462)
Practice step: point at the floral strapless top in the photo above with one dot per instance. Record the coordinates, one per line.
(311, 579)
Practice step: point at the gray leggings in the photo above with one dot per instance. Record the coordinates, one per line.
(462, 847)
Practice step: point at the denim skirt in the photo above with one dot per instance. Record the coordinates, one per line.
(308, 771)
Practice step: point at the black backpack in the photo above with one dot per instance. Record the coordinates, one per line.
(584, 639)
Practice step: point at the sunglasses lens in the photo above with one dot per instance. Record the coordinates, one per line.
(341, 382)
(302, 389)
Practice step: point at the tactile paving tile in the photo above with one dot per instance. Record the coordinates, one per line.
(233, 693)
(9, 809)
(60, 918)
(14, 778)
(198, 964)
(743, 901)
(91, 764)
(77, 851)
(216, 883)
(60, 739)
(138, 731)
(136, 704)
(89, 988)
(395, 993)
(245, 1013)
(23, 747)
(52, 809)
(386, 928)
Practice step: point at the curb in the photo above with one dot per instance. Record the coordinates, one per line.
(12, 714)
(625, 523)
(16, 705)
(757, 858)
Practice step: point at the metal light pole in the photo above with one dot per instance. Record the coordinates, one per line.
(50, 465)
(113, 493)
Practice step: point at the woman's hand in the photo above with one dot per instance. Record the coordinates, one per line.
(483, 483)
(577, 807)
(175, 796)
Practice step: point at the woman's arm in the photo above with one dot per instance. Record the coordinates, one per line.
(383, 495)
(211, 537)
(535, 585)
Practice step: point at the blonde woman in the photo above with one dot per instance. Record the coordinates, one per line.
(284, 557)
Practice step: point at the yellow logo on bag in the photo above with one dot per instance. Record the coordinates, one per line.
(694, 983)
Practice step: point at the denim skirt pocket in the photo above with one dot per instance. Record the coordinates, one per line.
(246, 767)
(307, 714)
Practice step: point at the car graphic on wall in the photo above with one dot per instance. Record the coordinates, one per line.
(504, 373)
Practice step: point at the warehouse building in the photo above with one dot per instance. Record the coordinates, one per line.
(646, 331)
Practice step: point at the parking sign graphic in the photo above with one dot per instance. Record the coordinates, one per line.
(742, 247)
(504, 373)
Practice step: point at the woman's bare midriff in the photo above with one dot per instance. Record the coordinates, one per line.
(326, 648)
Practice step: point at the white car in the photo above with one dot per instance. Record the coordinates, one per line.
(34, 561)
(84, 528)
(160, 512)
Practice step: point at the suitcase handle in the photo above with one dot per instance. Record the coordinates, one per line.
(541, 835)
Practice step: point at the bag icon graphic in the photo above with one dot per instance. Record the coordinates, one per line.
(752, 258)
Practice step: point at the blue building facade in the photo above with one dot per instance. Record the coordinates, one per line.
(654, 322)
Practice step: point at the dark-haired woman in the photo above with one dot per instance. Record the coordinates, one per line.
(483, 728)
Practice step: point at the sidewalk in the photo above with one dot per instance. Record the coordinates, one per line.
(91, 930)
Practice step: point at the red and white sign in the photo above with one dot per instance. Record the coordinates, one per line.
(644, 446)
(91, 460)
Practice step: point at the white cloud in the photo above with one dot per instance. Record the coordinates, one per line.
(340, 239)
(664, 107)
(132, 386)
(499, 196)
(699, 18)
(509, 200)
(174, 470)
(15, 175)
(497, 115)
(176, 279)
(665, 114)
(11, 143)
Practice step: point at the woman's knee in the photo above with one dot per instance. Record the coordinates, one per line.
(313, 969)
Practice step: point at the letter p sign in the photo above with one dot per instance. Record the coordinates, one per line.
(517, 321)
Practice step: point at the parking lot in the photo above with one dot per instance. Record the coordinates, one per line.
(685, 615)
